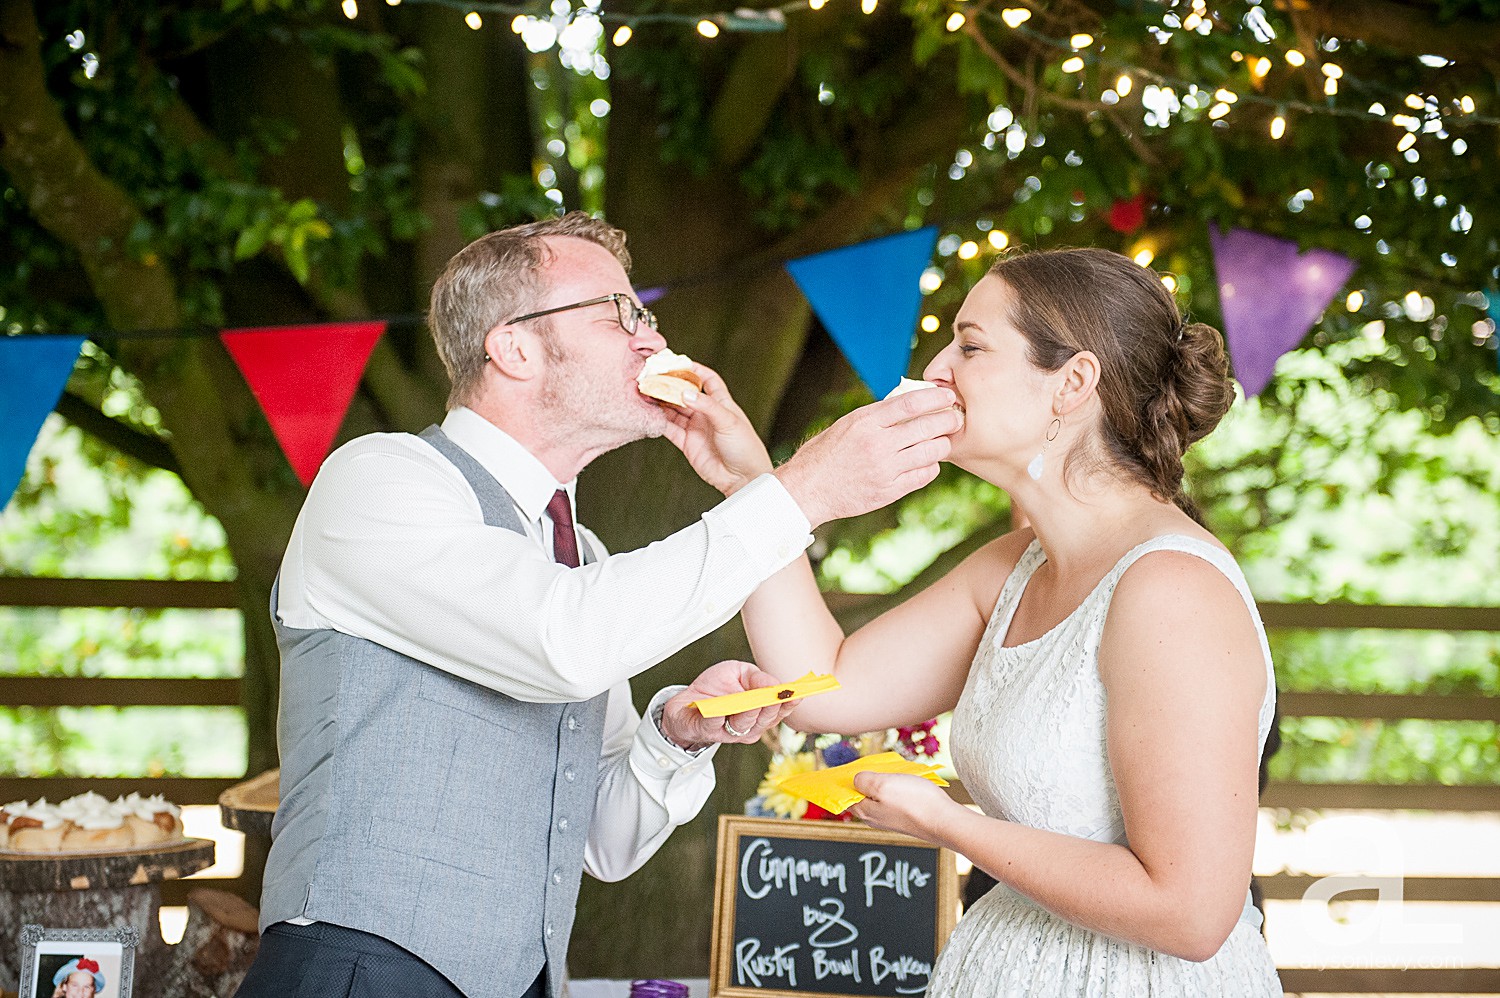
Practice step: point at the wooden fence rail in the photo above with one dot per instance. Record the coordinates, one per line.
(58, 691)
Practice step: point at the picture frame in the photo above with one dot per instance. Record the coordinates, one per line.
(109, 954)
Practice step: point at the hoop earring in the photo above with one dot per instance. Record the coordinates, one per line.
(1034, 469)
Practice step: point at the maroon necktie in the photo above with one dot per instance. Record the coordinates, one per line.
(564, 540)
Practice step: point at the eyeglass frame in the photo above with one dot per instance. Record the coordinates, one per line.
(629, 320)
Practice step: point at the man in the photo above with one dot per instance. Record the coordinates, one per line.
(455, 704)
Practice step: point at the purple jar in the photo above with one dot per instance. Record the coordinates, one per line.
(658, 989)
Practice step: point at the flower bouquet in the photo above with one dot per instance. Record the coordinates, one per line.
(794, 752)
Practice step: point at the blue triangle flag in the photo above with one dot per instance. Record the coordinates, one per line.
(33, 372)
(867, 297)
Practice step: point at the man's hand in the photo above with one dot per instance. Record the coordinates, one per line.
(872, 456)
(684, 726)
(716, 437)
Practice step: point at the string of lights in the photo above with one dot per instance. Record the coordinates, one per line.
(1415, 114)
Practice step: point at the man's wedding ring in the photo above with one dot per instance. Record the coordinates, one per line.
(730, 728)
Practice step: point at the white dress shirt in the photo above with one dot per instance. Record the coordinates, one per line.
(391, 546)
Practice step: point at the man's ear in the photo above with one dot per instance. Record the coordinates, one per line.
(514, 351)
(1080, 380)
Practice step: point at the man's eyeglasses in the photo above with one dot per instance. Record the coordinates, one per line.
(631, 315)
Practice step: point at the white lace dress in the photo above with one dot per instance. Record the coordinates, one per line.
(1028, 740)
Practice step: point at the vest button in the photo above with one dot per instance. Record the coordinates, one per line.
(572, 723)
(557, 876)
(562, 824)
(569, 774)
(547, 930)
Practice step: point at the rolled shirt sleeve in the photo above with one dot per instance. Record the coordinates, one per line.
(391, 547)
(647, 787)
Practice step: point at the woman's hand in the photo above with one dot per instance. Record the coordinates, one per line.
(716, 437)
(902, 803)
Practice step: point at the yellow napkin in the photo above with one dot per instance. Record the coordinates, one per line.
(735, 703)
(833, 789)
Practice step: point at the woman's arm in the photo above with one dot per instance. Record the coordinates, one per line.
(905, 666)
(1182, 667)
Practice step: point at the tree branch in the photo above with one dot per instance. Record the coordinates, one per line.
(149, 450)
(1408, 29)
(762, 69)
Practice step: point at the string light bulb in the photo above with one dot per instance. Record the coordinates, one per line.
(1144, 256)
(1295, 58)
(1260, 67)
(1331, 86)
(955, 21)
(999, 239)
(1072, 65)
(708, 29)
(868, 6)
(1466, 104)
(351, 9)
(1407, 141)
(1278, 126)
(1218, 111)
(622, 35)
(473, 20)
(1355, 301)
(1123, 85)
(1227, 96)
(1014, 17)
(969, 250)
(1082, 40)
(1414, 102)
(1170, 282)
(1334, 71)
(930, 324)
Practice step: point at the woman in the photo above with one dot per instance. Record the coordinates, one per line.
(1109, 674)
(78, 978)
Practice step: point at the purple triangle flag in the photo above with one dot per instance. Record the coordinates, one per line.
(867, 296)
(1271, 295)
(33, 372)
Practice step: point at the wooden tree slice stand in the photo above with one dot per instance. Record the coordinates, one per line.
(249, 806)
(89, 890)
(217, 947)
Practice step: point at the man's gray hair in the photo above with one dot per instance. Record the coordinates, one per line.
(498, 277)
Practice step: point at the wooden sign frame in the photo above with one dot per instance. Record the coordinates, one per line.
(734, 827)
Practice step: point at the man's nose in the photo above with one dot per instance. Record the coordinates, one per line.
(647, 340)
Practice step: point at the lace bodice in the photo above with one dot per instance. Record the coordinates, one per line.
(1028, 734)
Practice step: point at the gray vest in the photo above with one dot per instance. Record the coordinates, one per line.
(426, 809)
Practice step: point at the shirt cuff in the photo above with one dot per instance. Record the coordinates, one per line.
(666, 757)
(768, 521)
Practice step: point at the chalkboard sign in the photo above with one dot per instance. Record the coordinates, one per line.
(824, 908)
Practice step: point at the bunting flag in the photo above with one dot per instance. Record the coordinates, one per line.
(34, 371)
(1271, 295)
(868, 296)
(304, 378)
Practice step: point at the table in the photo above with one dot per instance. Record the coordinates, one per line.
(89, 890)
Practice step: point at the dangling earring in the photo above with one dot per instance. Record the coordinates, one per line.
(1034, 469)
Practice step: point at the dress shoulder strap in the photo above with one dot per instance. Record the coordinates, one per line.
(1010, 592)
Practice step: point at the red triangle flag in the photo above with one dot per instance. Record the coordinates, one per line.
(304, 378)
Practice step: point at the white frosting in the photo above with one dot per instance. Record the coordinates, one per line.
(146, 807)
(47, 814)
(909, 385)
(105, 819)
(86, 805)
(664, 361)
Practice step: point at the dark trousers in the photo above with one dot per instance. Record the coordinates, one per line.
(323, 960)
